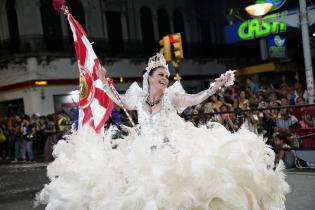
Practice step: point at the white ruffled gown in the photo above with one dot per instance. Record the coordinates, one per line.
(172, 165)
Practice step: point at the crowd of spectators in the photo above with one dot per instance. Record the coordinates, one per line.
(263, 109)
(23, 137)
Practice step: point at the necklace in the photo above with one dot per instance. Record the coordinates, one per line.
(153, 102)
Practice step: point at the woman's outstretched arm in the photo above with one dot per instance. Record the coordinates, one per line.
(185, 100)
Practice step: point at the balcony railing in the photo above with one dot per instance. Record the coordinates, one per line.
(63, 46)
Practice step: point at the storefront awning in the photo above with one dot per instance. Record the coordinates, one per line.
(261, 68)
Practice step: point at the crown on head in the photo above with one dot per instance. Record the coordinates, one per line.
(156, 61)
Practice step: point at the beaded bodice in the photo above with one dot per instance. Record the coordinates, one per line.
(157, 123)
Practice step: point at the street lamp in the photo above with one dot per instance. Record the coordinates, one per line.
(258, 10)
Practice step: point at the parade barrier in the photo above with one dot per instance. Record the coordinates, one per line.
(306, 152)
(306, 137)
(303, 143)
(307, 155)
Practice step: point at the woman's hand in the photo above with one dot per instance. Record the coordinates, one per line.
(225, 79)
(101, 73)
(221, 80)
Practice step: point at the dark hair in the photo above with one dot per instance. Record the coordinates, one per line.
(299, 98)
(281, 137)
(50, 117)
(216, 95)
(26, 117)
(152, 70)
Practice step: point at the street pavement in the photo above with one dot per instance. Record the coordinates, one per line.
(20, 182)
(302, 183)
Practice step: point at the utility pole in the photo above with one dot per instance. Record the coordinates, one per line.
(307, 51)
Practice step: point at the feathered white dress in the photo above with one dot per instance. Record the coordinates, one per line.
(172, 165)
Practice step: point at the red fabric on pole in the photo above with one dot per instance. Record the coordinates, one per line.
(95, 104)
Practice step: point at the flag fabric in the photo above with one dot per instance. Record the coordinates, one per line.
(94, 105)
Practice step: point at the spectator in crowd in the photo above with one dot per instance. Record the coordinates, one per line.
(284, 83)
(230, 96)
(299, 91)
(251, 121)
(268, 119)
(285, 120)
(28, 130)
(243, 101)
(207, 109)
(226, 119)
(273, 98)
(252, 85)
(195, 117)
(306, 120)
(4, 141)
(202, 119)
(253, 101)
(282, 91)
(40, 133)
(239, 116)
(216, 102)
(36, 144)
(62, 124)
(50, 132)
(10, 123)
(282, 153)
(19, 145)
(285, 101)
(297, 112)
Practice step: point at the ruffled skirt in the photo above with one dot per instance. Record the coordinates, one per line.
(190, 168)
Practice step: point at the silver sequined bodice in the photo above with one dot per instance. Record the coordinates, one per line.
(158, 124)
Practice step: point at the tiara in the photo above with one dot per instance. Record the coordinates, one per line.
(156, 61)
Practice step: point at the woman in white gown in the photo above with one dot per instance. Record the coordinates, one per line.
(171, 165)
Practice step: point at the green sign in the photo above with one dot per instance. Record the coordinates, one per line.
(257, 28)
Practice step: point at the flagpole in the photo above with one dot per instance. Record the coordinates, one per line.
(116, 94)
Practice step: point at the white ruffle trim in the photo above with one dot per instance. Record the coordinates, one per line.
(196, 168)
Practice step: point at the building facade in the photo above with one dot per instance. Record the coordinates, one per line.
(38, 67)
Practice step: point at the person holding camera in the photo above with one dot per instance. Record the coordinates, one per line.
(28, 132)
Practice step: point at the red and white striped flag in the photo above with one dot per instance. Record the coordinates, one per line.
(95, 105)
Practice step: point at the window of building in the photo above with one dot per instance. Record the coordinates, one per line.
(14, 33)
(147, 30)
(51, 26)
(163, 23)
(114, 29)
(77, 12)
